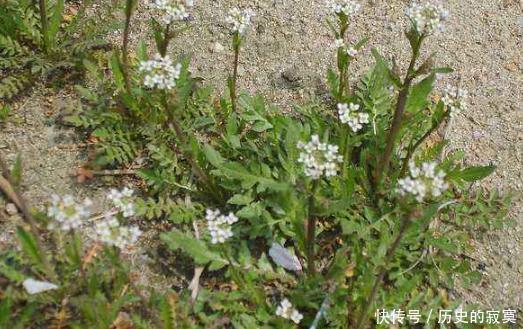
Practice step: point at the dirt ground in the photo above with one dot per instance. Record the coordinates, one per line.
(285, 58)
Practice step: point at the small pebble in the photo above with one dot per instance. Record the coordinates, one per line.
(11, 209)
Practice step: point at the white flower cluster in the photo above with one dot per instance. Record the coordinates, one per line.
(287, 311)
(160, 72)
(351, 115)
(427, 17)
(122, 200)
(219, 225)
(110, 232)
(66, 214)
(455, 99)
(319, 158)
(424, 181)
(239, 20)
(347, 7)
(351, 51)
(170, 11)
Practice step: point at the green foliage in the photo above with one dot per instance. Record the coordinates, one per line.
(4, 113)
(353, 242)
(26, 55)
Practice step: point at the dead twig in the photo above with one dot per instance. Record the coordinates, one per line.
(194, 286)
(7, 187)
(116, 172)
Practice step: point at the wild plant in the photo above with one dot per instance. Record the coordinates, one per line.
(38, 40)
(314, 219)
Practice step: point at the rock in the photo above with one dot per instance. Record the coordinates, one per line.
(217, 47)
(292, 78)
(11, 209)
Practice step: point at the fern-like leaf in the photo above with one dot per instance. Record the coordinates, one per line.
(12, 86)
(10, 47)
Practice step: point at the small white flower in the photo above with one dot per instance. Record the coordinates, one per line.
(122, 201)
(319, 158)
(109, 231)
(170, 11)
(423, 181)
(287, 311)
(66, 214)
(220, 226)
(427, 17)
(160, 72)
(455, 99)
(239, 20)
(127, 192)
(351, 115)
(33, 286)
(344, 7)
(352, 52)
(339, 43)
(114, 195)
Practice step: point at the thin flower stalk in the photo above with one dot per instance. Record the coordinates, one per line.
(239, 20)
(44, 25)
(233, 80)
(207, 181)
(311, 230)
(129, 6)
(382, 272)
(343, 9)
(7, 184)
(426, 18)
(383, 164)
(413, 147)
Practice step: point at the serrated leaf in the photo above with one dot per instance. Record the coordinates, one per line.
(16, 171)
(419, 94)
(54, 22)
(240, 199)
(29, 246)
(5, 310)
(213, 156)
(116, 69)
(197, 249)
(235, 170)
(442, 70)
(473, 174)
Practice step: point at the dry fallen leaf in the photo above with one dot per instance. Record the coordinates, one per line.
(83, 174)
(91, 254)
(123, 321)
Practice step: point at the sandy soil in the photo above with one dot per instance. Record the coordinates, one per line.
(285, 59)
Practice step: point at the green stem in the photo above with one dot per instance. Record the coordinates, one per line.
(196, 169)
(125, 44)
(383, 164)
(414, 147)
(77, 252)
(347, 156)
(342, 59)
(232, 88)
(44, 26)
(360, 323)
(166, 39)
(311, 229)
